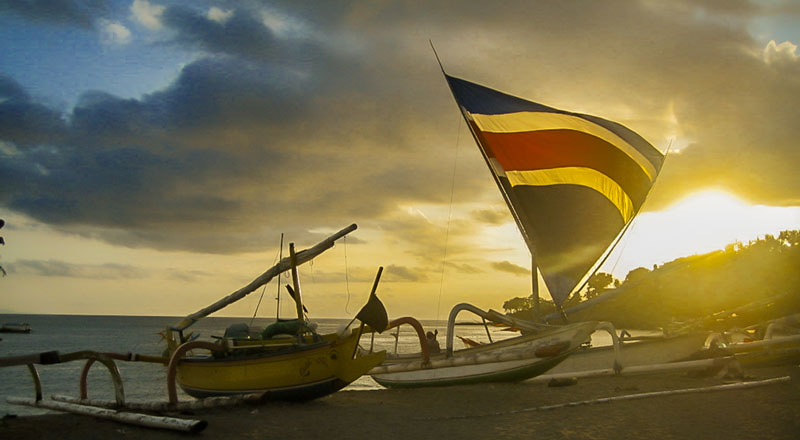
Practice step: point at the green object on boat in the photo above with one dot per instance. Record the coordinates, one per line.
(288, 327)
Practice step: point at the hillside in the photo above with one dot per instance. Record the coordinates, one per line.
(697, 287)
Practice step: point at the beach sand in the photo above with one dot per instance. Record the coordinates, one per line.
(488, 411)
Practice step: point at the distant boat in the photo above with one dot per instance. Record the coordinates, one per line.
(15, 327)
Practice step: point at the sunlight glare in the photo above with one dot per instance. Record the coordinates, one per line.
(705, 221)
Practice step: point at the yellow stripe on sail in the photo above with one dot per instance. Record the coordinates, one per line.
(536, 121)
(577, 176)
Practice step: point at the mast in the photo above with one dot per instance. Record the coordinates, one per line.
(278, 295)
(535, 289)
(298, 298)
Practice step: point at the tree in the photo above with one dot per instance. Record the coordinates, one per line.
(517, 304)
(598, 283)
(637, 274)
(789, 238)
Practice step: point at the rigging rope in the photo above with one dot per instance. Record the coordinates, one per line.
(265, 286)
(449, 216)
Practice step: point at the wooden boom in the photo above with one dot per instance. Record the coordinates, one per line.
(285, 264)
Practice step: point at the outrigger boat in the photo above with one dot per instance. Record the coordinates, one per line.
(573, 183)
(288, 360)
(510, 360)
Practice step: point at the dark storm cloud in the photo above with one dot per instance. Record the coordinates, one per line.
(211, 93)
(82, 13)
(235, 148)
(241, 34)
(126, 163)
(23, 121)
(347, 118)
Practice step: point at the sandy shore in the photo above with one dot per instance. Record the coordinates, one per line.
(491, 411)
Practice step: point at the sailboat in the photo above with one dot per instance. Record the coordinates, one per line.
(288, 360)
(573, 183)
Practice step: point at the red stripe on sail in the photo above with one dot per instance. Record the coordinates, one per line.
(548, 149)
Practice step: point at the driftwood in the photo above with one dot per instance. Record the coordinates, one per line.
(165, 406)
(186, 425)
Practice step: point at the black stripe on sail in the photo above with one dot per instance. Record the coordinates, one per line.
(570, 227)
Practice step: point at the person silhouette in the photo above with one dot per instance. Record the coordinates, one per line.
(433, 344)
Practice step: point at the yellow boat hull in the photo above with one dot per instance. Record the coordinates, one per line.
(301, 371)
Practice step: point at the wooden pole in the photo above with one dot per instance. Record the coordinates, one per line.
(298, 297)
(535, 289)
(278, 296)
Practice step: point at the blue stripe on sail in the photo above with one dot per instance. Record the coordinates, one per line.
(479, 99)
(476, 98)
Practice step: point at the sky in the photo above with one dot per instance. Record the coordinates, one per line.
(153, 152)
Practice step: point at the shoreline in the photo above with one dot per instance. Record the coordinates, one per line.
(500, 410)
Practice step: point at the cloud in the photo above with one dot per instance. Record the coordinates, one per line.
(464, 268)
(231, 33)
(491, 216)
(147, 14)
(506, 266)
(114, 33)
(129, 171)
(56, 268)
(402, 273)
(81, 13)
(25, 123)
(785, 51)
(218, 15)
(319, 115)
(188, 275)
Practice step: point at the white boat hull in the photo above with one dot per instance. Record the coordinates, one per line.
(514, 359)
(638, 353)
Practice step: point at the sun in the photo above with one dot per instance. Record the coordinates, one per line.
(702, 222)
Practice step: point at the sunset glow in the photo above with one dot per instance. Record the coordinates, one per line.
(702, 222)
(152, 152)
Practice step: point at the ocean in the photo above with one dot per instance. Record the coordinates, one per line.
(139, 334)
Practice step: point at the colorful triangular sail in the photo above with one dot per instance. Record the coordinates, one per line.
(572, 181)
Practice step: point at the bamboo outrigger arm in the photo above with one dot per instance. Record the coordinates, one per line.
(285, 264)
(491, 315)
